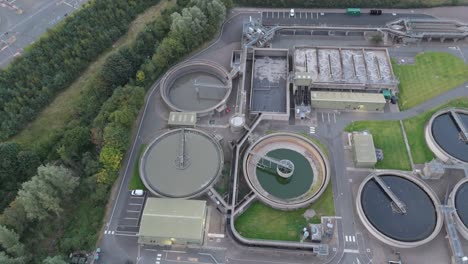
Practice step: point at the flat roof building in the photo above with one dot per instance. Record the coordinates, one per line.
(363, 150)
(167, 221)
(348, 101)
(187, 119)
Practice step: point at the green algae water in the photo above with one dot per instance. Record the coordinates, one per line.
(298, 184)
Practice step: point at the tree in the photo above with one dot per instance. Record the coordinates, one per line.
(14, 216)
(43, 194)
(376, 38)
(54, 260)
(74, 142)
(189, 27)
(13, 249)
(110, 157)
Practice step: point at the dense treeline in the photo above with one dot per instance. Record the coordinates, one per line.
(60, 209)
(55, 60)
(347, 3)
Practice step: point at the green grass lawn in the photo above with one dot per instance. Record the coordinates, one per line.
(432, 74)
(64, 106)
(415, 131)
(135, 181)
(263, 222)
(388, 137)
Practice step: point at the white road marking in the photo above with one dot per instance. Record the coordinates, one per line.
(105, 232)
(354, 238)
(113, 232)
(348, 250)
(346, 238)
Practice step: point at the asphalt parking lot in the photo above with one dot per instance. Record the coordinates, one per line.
(157, 255)
(19, 29)
(304, 18)
(129, 221)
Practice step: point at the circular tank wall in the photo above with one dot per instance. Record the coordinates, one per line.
(416, 224)
(287, 191)
(181, 163)
(459, 200)
(196, 86)
(444, 138)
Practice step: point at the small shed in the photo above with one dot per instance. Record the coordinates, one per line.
(182, 119)
(169, 221)
(363, 150)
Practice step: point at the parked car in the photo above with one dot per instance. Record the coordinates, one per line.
(291, 13)
(97, 254)
(137, 192)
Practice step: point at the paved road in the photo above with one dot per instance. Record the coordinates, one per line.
(352, 247)
(20, 30)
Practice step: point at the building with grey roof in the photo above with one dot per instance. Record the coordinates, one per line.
(168, 222)
(364, 150)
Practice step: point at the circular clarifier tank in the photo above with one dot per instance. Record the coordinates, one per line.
(459, 200)
(398, 209)
(285, 170)
(447, 135)
(181, 163)
(196, 86)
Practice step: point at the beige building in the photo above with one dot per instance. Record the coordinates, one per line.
(182, 119)
(348, 101)
(170, 221)
(364, 150)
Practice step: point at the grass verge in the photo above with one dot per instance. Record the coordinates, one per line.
(64, 106)
(388, 137)
(432, 74)
(415, 131)
(260, 221)
(135, 182)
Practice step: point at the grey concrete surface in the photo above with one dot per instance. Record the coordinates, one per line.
(20, 30)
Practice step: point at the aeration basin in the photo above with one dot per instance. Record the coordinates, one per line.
(298, 184)
(196, 86)
(380, 200)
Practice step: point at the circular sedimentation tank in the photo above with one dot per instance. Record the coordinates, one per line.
(198, 86)
(285, 170)
(181, 163)
(444, 135)
(459, 200)
(410, 220)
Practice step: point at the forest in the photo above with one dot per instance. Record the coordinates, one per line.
(56, 191)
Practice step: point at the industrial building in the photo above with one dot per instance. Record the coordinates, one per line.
(364, 150)
(340, 68)
(348, 101)
(168, 222)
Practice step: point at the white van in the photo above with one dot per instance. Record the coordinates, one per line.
(137, 193)
(291, 12)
